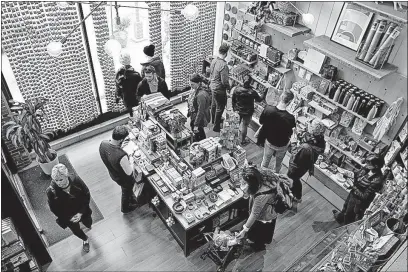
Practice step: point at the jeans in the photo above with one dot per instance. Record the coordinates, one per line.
(128, 198)
(76, 228)
(245, 120)
(277, 153)
(219, 101)
(353, 210)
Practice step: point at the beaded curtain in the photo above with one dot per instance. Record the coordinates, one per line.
(100, 22)
(190, 42)
(27, 28)
(155, 27)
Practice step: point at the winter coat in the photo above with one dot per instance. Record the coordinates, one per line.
(365, 186)
(305, 155)
(201, 107)
(219, 76)
(64, 205)
(243, 100)
(158, 65)
(144, 88)
(127, 80)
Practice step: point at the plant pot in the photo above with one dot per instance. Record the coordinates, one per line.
(47, 166)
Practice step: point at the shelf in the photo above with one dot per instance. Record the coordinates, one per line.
(246, 46)
(243, 60)
(290, 31)
(347, 153)
(306, 68)
(248, 36)
(256, 120)
(372, 122)
(235, 79)
(314, 104)
(266, 84)
(385, 9)
(346, 56)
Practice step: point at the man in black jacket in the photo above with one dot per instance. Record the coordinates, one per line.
(127, 80)
(152, 84)
(69, 198)
(367, 182)
(120, 168)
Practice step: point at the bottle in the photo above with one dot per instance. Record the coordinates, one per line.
(343, 94)
(356, 104)
(379, 107)
(346, 98)
(368, 108)
(338, 92)
(362, 106)
(350, 102)
(333, 89)
(372, 113)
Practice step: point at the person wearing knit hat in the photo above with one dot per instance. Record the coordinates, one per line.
(304, 155)
(199, 102)
(156, 62)
(127, 80)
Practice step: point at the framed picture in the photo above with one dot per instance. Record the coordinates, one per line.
(351, 26)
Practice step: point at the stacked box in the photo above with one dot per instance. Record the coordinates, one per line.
(230, 132)
(198, 177)
(174, 176)
(154, 103)
(239, 155)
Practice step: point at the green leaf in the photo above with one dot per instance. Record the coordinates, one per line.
(11, 130)
(31, 107)
(45, 137)
(16, 108)
(30, 122)
(14, 140)
(9, 123)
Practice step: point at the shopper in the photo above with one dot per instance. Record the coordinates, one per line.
(127, 80)
(156, 62)
(277, 128)
(367, 182)
(119, 167)
(152, 83)
(69, 198)
(263, 187)
(219, 85)
(199, 103)
(243, 99)
(304, 155)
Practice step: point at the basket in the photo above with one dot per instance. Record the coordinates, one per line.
(381, 56)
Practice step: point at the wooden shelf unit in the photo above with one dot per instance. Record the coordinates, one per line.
(244, 60)
(290, 31)
(346, 56)
(372, 122)
(385, 9)
(246, 46)
(347, 153)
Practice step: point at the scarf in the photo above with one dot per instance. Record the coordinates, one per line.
(153, 84)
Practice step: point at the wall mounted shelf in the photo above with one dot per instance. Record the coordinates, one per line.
(266, 84)
(372, 122)
(347, 153)
(346, 56)
(385, 9)
(243, 60)
(246, 46)
(290, 31)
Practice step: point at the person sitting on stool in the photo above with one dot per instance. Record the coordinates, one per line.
(69, 198)
(367, 182)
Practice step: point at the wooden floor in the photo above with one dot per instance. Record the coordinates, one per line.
(140, 242)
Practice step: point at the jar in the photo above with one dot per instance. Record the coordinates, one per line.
(368, 108)
(361, 107)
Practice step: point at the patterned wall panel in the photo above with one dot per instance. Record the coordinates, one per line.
(27, 28)
(190, 42)
(155, 27)
(100, 21)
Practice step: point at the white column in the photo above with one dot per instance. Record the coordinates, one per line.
(219, 23)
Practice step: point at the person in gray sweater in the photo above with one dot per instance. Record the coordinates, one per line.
(263, 187)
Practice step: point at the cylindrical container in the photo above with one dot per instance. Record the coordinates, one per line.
(338, 92)
(380, 106)
(346, 98)
(376, 39)
(356, 104)
(368, 108)
(388, 32)
(333, 90)
(368, 40)
(342, 95)
(362, 106)
(372, 113)
(351, 101)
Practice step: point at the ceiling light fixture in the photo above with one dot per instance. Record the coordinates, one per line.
(307, 18)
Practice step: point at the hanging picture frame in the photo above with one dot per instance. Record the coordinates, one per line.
(351, 26)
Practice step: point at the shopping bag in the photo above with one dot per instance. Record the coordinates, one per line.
(256, 135)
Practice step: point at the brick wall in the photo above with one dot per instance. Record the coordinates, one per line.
(19, 155)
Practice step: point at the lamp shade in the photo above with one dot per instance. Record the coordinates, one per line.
(112, 47)
(307, 18)
(54, 49)
(190, 12)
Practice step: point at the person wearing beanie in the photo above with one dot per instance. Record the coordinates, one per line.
(243, 99)
(304, 155)
(127, 80)
(151, 83)
(367, 182)
(156, 62)
(199, 103)
(219, 85)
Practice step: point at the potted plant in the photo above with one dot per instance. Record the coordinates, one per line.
(25, 130)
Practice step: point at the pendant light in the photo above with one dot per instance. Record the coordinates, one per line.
(190, 12)
(62, 4)
(54, 48)
(307, 18)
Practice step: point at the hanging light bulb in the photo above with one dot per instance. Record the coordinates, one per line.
(62, 4)
(112, 47)
(54, 49)
(190, 12)
(307, 18)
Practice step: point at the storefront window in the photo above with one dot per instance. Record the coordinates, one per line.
(10, 78)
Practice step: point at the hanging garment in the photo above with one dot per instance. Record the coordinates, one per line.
(388, 119)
